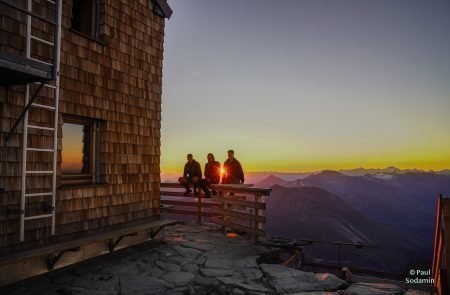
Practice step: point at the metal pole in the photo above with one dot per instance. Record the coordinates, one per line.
(28, 103)
(57, 48)
(25, 130)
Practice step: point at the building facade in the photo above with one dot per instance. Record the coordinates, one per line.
(109, 78)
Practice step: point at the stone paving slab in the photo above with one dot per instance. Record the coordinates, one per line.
(191, 259)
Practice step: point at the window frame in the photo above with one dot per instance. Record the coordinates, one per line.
(93, 177)
(95, 22)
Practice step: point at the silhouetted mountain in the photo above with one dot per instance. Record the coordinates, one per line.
(270, 181)
(313, 213)
(444, 172)
(381, 200)
(364, 171)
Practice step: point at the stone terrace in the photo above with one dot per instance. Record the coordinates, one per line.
(190, 259)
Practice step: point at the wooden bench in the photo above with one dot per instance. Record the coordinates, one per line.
(105, 242)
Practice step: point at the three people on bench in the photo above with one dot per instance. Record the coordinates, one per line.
(192, 175)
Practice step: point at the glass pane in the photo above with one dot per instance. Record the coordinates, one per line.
(76, 149)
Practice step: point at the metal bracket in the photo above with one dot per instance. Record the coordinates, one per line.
(52, 259)
(154, 233)
(25, 110)
(112, 244)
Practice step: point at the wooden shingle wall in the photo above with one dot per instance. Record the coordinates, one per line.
(117, 81)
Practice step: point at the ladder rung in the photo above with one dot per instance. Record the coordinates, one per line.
(40, 150)
(39, 172)
(38, 216)
(38, 194)
(41, 127)
(44, 62)
(51, 2)
(41, 40)
(42, 106)
(46, 85)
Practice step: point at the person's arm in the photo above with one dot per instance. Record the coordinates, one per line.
(241, 172)
(206, 169)
(199, 170)
(185, 171)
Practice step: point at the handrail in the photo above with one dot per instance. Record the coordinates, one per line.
(441, 255)
(237, 207)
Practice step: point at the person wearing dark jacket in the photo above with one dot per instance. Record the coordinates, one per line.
(212, 172)
(233, 173)
(192, 175)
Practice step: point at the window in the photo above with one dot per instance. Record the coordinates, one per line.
(80, 151)
(85, 17)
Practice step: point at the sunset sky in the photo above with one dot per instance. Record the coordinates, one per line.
(302, 85)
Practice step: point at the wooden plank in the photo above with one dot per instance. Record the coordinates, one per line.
(240, 215)
(189, 204)
(180, 194)
(237, 226)
(234, 188)
(84, 240)
(189, 212)
(240, 202)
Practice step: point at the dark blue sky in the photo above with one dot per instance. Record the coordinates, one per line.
(298, 85)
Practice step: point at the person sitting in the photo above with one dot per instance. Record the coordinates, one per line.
(212, 172)
(233, 173)
(192, 175)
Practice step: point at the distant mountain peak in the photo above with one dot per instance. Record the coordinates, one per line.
(269, 181)
(329, 173)
(272, 177)
(391, 169)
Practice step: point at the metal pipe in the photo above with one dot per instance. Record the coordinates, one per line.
(58, 11)
(23, 115)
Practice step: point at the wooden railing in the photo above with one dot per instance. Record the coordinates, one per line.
(441, 256)
(239, 208)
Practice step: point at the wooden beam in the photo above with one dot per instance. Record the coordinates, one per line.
(239, 215)
(250, 190)
(189, 204)
(180, 194)
(190, 212)
(59, 247)
(248, 204)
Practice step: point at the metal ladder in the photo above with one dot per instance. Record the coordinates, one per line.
(26, 126)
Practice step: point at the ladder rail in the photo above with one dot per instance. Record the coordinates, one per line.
(26, 126)
(57, 51)
(23, 183)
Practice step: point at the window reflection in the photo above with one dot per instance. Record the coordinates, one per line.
(76, 145)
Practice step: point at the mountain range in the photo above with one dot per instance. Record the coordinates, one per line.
(397, 212)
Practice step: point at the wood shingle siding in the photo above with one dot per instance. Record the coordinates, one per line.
(115, 80)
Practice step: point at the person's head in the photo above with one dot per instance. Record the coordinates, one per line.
(230, 155)
(190, 158)
(210, 157)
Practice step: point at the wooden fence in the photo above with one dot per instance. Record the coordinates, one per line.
(441, 256)
(240, 208)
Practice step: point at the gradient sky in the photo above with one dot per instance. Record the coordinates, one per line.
(295, 85)
(72, 148)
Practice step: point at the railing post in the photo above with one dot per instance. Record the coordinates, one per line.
(225, 207)
(258, 212)
(199, 209)
(437, 240)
